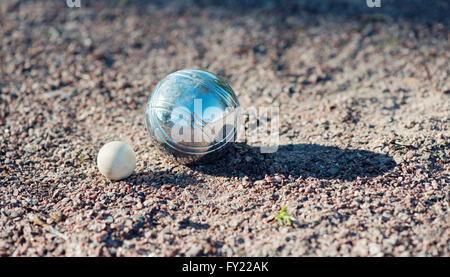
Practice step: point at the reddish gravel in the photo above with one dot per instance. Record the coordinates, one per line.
(363, 162)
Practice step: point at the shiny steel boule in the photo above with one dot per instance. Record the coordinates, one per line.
(192, 115)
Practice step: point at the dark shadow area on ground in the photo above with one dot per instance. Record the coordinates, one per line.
(157, 178)
(188, 223)
(299, 160)
(412, 10)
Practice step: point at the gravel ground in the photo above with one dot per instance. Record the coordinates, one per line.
(362, 165)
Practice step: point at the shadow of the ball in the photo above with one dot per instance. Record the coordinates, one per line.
(297, 160)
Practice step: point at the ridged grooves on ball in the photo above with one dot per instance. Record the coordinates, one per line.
(210, 83)
(173, 144)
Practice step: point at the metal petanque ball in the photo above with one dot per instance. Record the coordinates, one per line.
(192, 115)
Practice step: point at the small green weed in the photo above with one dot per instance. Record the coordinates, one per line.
(81, 156)
(284, 218)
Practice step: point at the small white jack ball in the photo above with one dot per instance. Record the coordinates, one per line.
(116, 160)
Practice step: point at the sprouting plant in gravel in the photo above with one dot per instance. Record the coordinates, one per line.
(284, 218)
(81, 156)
